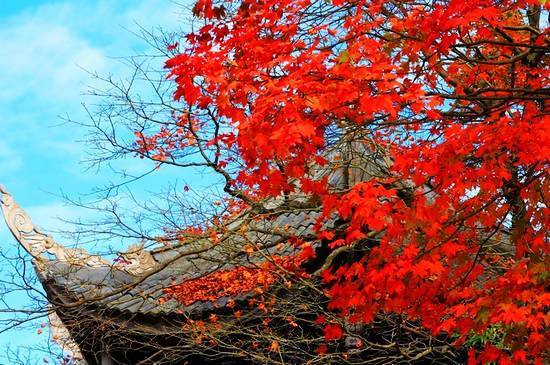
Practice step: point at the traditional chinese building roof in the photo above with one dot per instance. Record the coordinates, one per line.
(81, 285)
(100, 309)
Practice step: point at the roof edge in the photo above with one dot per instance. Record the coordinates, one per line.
(37, 243)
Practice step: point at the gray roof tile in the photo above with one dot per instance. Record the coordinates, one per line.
(146, 296)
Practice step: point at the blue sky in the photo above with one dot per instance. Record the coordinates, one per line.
(44, 48)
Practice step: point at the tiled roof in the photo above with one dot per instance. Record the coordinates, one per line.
(113, 287)
(116, 289)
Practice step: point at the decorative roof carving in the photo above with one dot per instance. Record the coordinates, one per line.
(136, 260)
(61, 336)
(37, 243)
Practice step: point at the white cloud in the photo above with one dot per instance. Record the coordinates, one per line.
(10, 161)
(40, 58)
(50, 217)
(44, 53)
(45, 50)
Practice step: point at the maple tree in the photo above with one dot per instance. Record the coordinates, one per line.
(435, 112)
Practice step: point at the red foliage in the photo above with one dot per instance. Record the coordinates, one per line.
(333, 332)
(227, 283)
(231, 283)
(453, 92)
